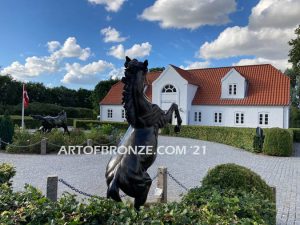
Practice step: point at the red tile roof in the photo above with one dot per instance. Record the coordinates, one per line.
(114, 96)
(266, 86)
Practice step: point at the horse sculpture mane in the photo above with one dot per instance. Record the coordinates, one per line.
(128, 172)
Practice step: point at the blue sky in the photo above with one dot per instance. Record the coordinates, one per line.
(78, 43)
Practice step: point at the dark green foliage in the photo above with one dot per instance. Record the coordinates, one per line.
(45, 109)
(296, 134)
(155, 69)
(7, 172)
(31, 123)
(232, 176)
(6, 130)
(295, 117)
(278, 142)
(88, 124)
(237, 137)
(11, 94)
(101, 89)
(294, 53)
(205, 205)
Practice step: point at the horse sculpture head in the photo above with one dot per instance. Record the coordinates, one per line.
(135, 102)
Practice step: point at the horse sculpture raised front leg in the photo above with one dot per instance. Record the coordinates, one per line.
(128, 172)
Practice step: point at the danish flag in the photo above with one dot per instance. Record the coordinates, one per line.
(25, 97)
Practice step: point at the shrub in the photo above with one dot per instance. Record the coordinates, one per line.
(237, 137)
(88, 124)
(296, 134)
(7, 172)
(50, 109)
(199, 206)
(278, 142)
(232, 176)
(6, 130)
(25, 142)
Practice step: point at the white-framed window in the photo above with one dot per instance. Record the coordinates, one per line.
(109, 113)
(197, 116)
(263, 118)
(232, 89)
(169, 88)
(239, 118)
(123, 113)
(218, 117)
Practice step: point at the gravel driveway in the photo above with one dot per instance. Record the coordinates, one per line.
(86, 172)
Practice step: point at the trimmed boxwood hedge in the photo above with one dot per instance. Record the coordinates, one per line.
(31, 123)
(244, 138)
(278, 142)
(232, 176)
(237, 137)
(88, 124)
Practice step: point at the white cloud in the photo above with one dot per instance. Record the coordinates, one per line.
(189, 13)
(196, 65)
(110, 5)
(53, 45)
(281, 64)
(35, 66)
(136, 51)
(265, 38)
(112, 35)
(117, 51)
(77, 73)
(237, 41)
(116, 73)
(275, 14)
(71, 49)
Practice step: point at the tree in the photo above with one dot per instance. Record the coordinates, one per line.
(6, 129)
(155, 69)
(101, 89)
(294, 53)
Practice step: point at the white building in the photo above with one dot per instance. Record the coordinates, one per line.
(239, 96)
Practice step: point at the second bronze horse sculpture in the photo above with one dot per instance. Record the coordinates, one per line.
(128, 172)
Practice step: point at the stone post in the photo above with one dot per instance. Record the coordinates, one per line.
(52, 185)
(89, 142)
(161, 190)
(44, 146)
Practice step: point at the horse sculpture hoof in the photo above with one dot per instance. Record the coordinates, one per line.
(176, 129)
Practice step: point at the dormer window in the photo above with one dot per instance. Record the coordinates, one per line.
(232, 89)
(169, 89)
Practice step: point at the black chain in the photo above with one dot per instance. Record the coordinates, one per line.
(176, 181)
(75, 189)
(86, 194)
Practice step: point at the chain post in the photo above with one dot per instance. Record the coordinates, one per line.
(52, 185)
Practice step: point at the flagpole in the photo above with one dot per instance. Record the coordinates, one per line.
(23, 108)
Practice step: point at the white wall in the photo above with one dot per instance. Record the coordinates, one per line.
(117, 113)
(170, 76)
(233, 77)
(278, 115)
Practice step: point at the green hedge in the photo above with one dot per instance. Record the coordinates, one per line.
(88, 124)
(201, 205)
(230, 190)
(237, 137)
(232, 176)
(37, 108)
(278, 142)
(244, 138)
(296, 134)
(31, 123)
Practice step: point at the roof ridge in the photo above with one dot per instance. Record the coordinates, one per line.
(221, 67)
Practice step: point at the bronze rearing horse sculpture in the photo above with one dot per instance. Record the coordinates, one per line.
(128, 172)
